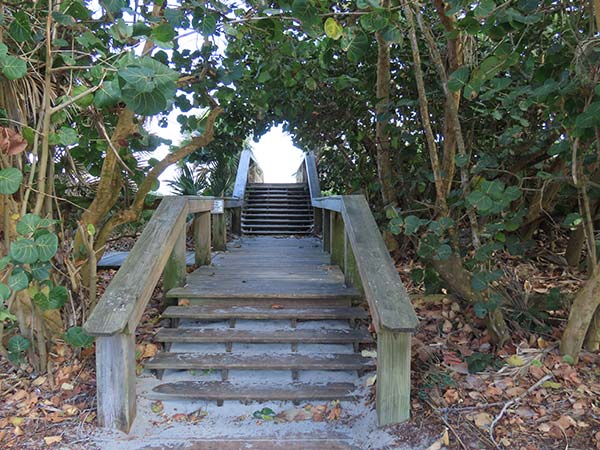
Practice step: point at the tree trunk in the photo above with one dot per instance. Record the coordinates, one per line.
(582, 312)
(592, 340)
(382, 110)
(459, 280)
(575, 246)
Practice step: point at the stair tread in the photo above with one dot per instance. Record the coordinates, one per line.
(258, 225)
(204, 335)
(224, 390)
(280, 361)
(266, 313)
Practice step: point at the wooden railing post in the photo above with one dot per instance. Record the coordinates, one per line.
(318, 215)
(337, 239)
(393, 377)
(326, 230)
(174, 272)
(219, 232)
(115, 380)
(202, 238)
(236, 221)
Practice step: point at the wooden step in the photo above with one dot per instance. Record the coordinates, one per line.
(269, 226)
(277, 233)
(220, 391)
(269, 216)
(281, 361)
(267, 303)
(262, 313)
(233, 335)
(255, 443)
(277, 210)
(277, 221)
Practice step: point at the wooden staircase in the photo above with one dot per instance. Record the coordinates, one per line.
(275, 317)
(277, 209)
(268, 305)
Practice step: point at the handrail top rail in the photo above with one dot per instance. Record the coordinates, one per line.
(387, 297)
(121, 306)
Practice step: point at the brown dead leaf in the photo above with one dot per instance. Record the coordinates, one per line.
(451, 396)
(276, 306)
(482, 420)
(293, 415)
(179, 417)
(440, 443)
(318, 412)
(18, 431)
(565, 422)
(49, 440)
(336, 411)
(11, 142)
(183, 302)
(150, 350)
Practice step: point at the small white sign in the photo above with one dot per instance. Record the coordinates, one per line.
(218, 207)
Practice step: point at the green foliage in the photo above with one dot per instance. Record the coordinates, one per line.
(78, 338)
(10, 180)
(17, 346)
(478, 362)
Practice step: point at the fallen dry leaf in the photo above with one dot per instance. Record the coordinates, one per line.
(482, 420)
(49, 440)
(451, 396)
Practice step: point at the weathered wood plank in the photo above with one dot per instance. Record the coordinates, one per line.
(236, 221)
(337, 239)
(332, 203)
(393, 377)
(219, 232)
(126, 297)
(241, 178)
(262, 313)
(198, 204)
(387, 297)
(115, 381)
(291, 361)
(199, 335)
(175, 269)
(279, 443)
(312, 175)
(201, 230)
(326, 230)
(211, 390)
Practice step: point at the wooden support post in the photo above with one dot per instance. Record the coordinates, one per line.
(236, 221)
(219, 232)
(351, 274)
(393, 377)
(326, 230)
(318, 220)
(174, 272)
(115, 381)
(202, 238)
(337, 239)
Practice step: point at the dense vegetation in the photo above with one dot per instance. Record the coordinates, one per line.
(470, 126)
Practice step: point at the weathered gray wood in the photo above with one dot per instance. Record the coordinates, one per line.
(200, 335)
(175, 269)
(332, 203)
(219, 232)
(236, 221)
(278, 302)
(312, 175)
(262, 313)
(241, 178)
(351, 274)
(232, 202)
(292, 361)
(337, 239)
(326, 230)
(259, 443)
(126, 297)
(211, 390)
(197, 204)
(318, 215)
(115, 381)
(385, 293)
(393, 377)
(202, 239)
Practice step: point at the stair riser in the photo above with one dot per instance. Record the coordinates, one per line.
(272, 303)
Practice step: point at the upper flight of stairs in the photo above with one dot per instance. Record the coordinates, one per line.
(277, 209)
(269, 320)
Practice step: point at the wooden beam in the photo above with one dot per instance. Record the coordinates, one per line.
(126, 297)
(236, 221)
(393, 377)
(326, 230)
(241, 178)
(333, 203)
(175, 269)
(312, 175)
(318, 221)
(115, 381)
(337, 240)
(198, 204)
(202, 239)
(385, 293)
(219, 232)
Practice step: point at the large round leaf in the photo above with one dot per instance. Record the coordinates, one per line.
(28, 224)
(10, 180)
(76, 337)
(18, 281)
(47, 245)
(57, 297)
(24, 251)
(13, 68)
(4, 292)
(18, 344)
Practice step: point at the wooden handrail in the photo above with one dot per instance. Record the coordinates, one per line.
(241, 178)
(352, 236)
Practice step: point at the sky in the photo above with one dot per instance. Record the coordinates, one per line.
(276, 154)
